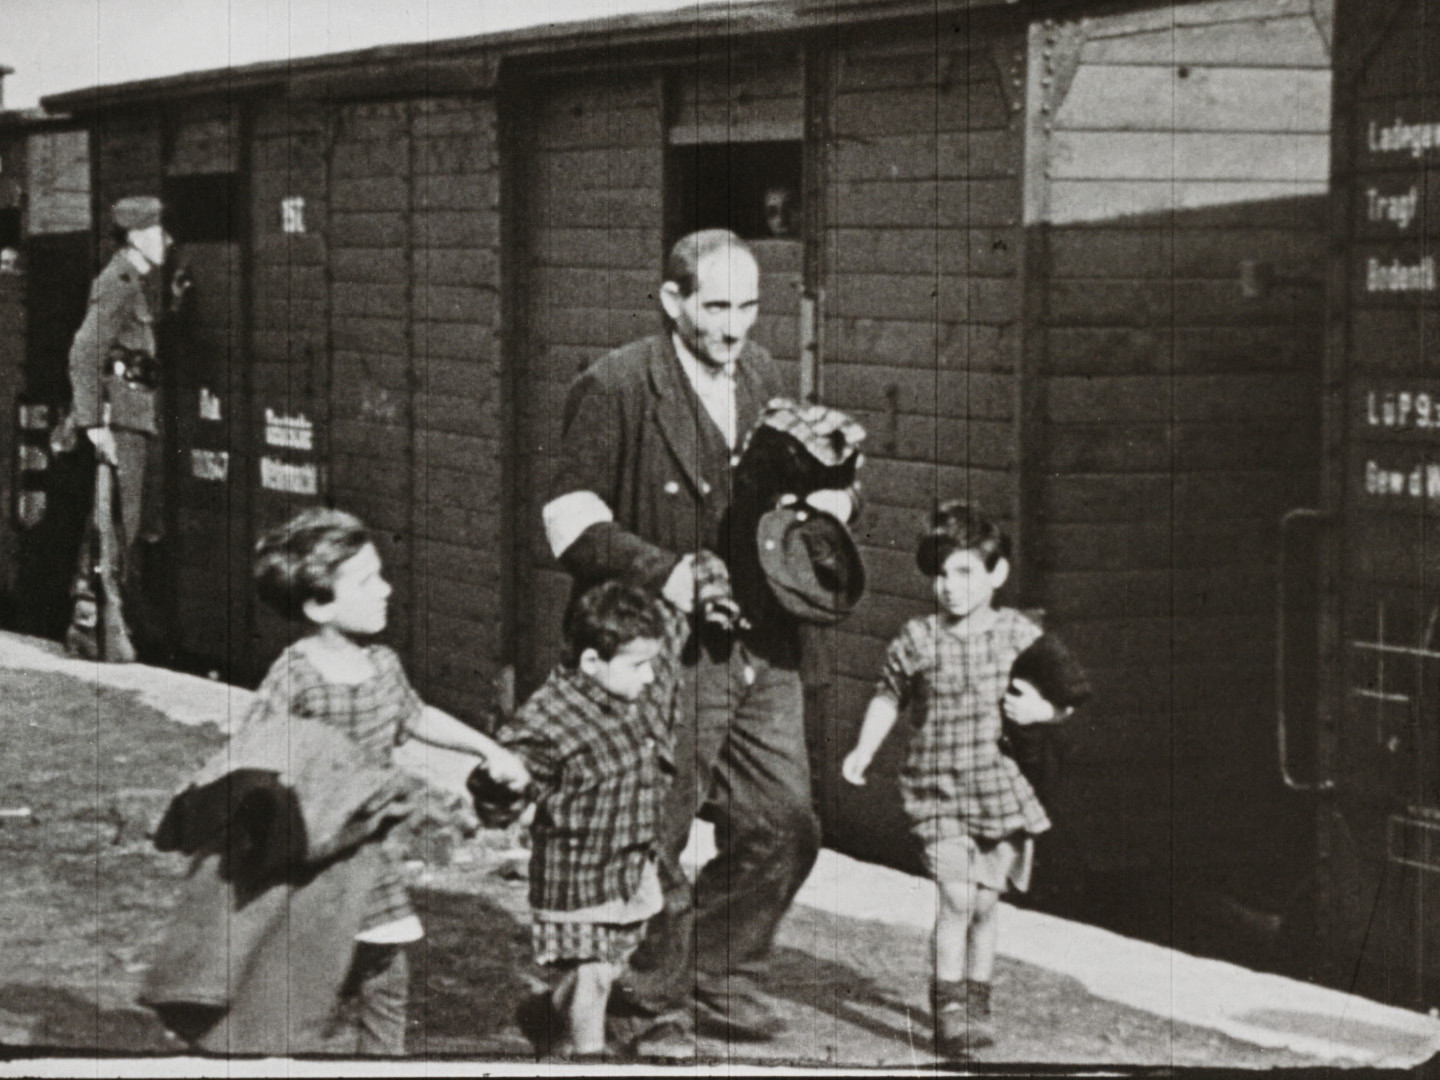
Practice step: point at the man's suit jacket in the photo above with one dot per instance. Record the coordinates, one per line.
(636, 434)
(119, 317)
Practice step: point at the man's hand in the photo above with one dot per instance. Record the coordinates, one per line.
(103, 439)
(854, 766)
(834, 501)
(680, 585)
(1023, 705)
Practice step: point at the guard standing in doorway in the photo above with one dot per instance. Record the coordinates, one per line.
(115, 392)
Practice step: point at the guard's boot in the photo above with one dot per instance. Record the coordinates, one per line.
(959, 1028)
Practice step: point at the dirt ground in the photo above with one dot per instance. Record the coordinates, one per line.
(84, 899)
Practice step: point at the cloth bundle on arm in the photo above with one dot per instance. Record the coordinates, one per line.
(298, 789)
(284, 825)
(796, 449)
(807, 555)
(1040, 749)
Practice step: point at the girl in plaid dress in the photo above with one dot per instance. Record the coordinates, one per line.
(970, 807)
(322, 566)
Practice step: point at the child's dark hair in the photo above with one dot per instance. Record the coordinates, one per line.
(957, 526)
(607, 617)
(296, 562)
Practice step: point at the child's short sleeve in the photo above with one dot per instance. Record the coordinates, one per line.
(902, 664)
(282, 693)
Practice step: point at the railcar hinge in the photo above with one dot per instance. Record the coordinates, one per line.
(1060, 43)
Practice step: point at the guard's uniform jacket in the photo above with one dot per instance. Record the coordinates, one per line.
(112, 359)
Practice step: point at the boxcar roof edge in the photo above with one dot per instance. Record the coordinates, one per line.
(408, 60)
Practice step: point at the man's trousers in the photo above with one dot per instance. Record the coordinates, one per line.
(741, 763)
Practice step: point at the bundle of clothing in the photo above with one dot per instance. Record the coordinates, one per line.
(807, 558)
(1041, 749)
(283, 827)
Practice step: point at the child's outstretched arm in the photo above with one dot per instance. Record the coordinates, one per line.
(440, 729)
(903, 659)
(879, 719)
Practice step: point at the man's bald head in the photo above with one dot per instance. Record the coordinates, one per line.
(683, 265)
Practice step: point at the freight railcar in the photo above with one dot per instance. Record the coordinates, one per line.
(1063, 258)
(1369, 754)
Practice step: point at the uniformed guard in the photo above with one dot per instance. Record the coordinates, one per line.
(114, 370)
(113, 366)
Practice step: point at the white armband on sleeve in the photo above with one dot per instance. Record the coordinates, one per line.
(834, 501)
(570, 515)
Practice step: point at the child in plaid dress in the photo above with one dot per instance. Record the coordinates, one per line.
(970, 807)
(598, 751)
(322, 566)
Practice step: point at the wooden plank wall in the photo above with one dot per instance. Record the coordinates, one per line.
(922, 341)
(1180, 415)
(593, 219)
(1378, 740)
(415, 378)
(460, 444)
(379, 322)
(289, 305)
(127, 161)
(371, 334)
(14, 158)
(211, 540)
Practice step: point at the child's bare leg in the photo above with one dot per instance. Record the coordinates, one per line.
(957, 1031)
(980, 966)
(585, 1010)
(952, 927)
(983, 935)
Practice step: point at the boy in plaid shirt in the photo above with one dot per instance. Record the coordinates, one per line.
(968, 803)
(596, 740)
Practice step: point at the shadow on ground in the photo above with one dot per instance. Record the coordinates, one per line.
(467, 977)
(859, 991)
(47, 1016)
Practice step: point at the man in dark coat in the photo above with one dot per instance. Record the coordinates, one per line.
(651, 435)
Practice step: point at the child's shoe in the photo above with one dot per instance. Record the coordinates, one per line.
(960, 1025)
(978, 996)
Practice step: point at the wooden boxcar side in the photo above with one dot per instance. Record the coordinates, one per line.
(1379, 741)
(344, 346)
(13, 332)
(924, 303)
(46, 220)
(1176, 193)
(1071, 270)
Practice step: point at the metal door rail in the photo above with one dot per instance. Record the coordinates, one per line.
(1425, 836)
(1403, 650)
(1380, 695)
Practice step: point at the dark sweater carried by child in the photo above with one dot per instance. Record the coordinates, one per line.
(1040, 749)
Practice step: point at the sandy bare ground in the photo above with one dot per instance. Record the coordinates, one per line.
(84, 898)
